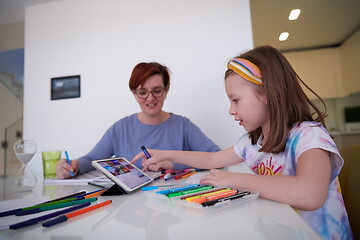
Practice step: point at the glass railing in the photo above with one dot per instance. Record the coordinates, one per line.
(15, 88)
(12, 134)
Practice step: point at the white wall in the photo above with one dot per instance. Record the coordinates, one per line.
(102, 40)
(11, 36)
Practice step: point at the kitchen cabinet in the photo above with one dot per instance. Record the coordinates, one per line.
(320, 70)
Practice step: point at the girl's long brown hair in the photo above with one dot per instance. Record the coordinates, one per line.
(286, 100)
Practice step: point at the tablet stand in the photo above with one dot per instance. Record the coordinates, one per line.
(114, 190)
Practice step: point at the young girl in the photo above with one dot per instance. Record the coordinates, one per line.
(295, 159)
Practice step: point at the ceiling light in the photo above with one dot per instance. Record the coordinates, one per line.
(283, 36)
(294, 14)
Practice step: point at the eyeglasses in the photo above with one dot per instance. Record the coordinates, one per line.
(156, 92)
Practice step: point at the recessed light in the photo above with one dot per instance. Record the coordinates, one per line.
(283, 36)
(294, 14)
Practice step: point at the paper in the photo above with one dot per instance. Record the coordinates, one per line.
(195, 178)
(19, 203)
(83, 179)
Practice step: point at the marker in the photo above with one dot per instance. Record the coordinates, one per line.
(68, 161)
(178, 189)
(224, 199)
(68, 196)
(161, 186)
(198, 189)
(46, 204)
(56, 206)
(200, 169)
(65, 217)
(162, 175)
(205, 193)
(214, 196)
(96, 191)
(169, 171)
(97, 185)
(185, 173)
(176, 176)
(13, 211)
(188, 175)
(145, 152)
(167, 176)
(47, 216)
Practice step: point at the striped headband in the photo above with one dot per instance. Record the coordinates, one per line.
(246, 69)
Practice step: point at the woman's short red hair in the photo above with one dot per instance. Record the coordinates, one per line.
(144, 70)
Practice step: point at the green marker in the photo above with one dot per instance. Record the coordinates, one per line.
(175, 194)
(49, 203)
(55, 206)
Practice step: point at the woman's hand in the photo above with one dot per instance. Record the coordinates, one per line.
(218, 178)
(63, 169)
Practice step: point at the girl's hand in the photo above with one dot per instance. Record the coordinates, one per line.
(63, 169)
(218, 178)
(148, 162)
(160, 166)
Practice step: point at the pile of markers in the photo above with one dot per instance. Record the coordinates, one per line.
(178, 174)
(203, 194)
(76, 204)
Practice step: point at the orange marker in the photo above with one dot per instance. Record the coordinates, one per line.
(65, 217)
(95, 194)
(204, 194)
(188, 174)
(214, 196)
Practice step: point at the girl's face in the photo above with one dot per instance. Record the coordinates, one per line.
(152, 106)
(246, 104)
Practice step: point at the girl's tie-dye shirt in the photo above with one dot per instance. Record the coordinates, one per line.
(331, 220)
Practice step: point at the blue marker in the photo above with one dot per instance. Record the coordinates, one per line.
(145, 152)
(178, 189)
(68, 161)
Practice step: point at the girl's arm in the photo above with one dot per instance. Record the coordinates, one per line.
(206, 160)
(305, 191)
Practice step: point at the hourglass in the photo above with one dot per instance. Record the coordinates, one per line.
(25, 179)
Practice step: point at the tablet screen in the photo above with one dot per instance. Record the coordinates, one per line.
(124, 172)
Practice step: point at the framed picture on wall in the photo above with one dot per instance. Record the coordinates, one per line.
(65, 87)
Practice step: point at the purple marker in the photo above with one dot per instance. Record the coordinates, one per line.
(145, 152)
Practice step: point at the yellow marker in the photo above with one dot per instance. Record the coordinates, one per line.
(207, 194)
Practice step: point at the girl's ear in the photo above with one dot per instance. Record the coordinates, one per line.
(261, 95)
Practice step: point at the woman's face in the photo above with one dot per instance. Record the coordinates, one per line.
(151, 105)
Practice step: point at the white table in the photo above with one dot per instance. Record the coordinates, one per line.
(136, 216)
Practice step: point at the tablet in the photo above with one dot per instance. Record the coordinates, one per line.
(123, 173)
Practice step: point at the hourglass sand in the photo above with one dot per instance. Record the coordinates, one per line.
(25, 179)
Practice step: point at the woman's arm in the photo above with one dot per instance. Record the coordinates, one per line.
(195, 159)
(305, 191)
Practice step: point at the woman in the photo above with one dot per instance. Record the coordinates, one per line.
(152, 127)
